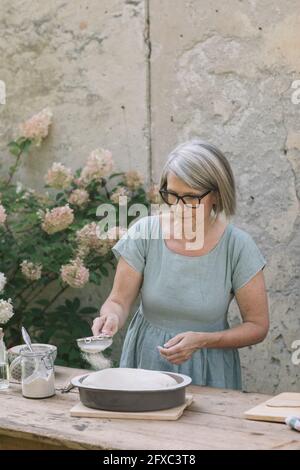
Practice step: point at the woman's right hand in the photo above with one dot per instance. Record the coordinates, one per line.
(107, 324)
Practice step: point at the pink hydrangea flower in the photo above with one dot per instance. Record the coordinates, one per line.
(134, 179)
(31, 271)
(120, 191)
(153, 194)
(99, 164)
(37, 127)
(57, 219)
(58, 176)
(75, 274)
(79, 197)
(109, 238)
(89, 239)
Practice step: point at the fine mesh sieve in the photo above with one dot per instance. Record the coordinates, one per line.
(92, 347)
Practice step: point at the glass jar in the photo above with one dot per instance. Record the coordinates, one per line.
(37, 374)
(4, 369)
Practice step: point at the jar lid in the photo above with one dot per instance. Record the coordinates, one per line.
(35, 353)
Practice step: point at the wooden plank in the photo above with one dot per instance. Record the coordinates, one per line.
(223, 401)
(192, 431)
(215, 420)
(171, 414)
(63, 375)
(276, 409)
(12, 443)
(291, 400)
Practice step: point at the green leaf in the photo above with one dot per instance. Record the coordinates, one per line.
(95, 278)
(92, 211)
(76, 303)
(37, 311)
(73, 354)
(113, 175)
(21, 140)
(25, 146)
(69, 304)
(59, 195)
(88, 310)
(63, 335)
(104, 270)
(61, 309)
(14, 148)
(65, 348)
(43, 302)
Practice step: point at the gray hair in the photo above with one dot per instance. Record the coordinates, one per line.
(203, 166)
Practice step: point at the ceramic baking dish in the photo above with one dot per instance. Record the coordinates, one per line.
(133, 400)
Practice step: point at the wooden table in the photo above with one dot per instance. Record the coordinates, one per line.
(214, 421)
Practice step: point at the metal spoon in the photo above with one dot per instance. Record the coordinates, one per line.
(27, 339)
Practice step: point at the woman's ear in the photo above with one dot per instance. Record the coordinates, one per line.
(215, 198)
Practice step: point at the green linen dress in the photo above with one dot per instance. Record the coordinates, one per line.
(185, 293)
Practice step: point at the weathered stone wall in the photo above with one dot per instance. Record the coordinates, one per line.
(87, 61)
(139, 77)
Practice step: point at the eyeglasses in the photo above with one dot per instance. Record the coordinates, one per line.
(190, 200)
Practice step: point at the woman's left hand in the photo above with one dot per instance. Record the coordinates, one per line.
(181, 347)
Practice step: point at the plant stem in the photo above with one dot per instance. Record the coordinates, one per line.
(19, 294)
(14, 272)
(11, 233)
(54, 298)
(14, 169)
(106, 190)
(36, 294)
(28, 228)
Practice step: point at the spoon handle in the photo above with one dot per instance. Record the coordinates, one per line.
(26, 338)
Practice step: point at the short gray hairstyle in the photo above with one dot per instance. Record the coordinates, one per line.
(203, 166)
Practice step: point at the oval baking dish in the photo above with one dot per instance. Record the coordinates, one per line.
(133, 400)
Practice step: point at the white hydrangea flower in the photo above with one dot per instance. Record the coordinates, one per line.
(2, 281)
(6, 310)
(19, 187)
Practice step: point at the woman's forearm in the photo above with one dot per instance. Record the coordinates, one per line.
(239, 336)
(112, 306)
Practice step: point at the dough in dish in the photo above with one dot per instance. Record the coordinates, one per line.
(124, 378)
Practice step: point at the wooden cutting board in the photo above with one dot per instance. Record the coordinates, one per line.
(276, 409)
(171, 414)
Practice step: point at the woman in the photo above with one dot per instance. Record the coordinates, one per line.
(181, 323)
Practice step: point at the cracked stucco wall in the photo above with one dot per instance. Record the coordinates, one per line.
(223, 71)
(88, 61)
(140, 76)
(82, 60)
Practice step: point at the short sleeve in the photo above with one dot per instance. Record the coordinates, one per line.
(248, 261)
(132, 246)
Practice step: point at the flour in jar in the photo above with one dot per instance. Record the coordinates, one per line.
(38, 386)
(129, 379)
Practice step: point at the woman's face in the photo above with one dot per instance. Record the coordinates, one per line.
(178, 186)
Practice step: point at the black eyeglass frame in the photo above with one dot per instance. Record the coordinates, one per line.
(165, 191)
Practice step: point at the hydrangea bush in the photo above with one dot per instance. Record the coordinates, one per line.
(49, 247)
